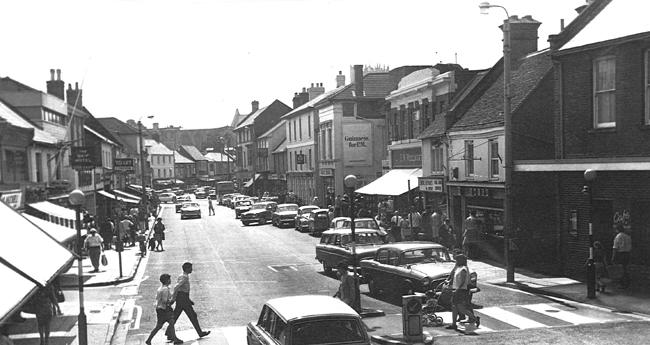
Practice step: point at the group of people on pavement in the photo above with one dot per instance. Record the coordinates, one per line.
(621, 249)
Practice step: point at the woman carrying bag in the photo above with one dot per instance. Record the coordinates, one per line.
(94, 247)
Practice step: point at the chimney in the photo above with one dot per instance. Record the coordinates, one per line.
(340, 79)
(55, 87)
(523, 37)
(357, 80)
(300, 98)
(155, 126)
(315, 91)
(72, 95)
(255, 106)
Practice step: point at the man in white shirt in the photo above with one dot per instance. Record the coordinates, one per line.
(621, 253)
(164, 311)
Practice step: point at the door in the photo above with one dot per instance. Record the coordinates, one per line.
(603, 213)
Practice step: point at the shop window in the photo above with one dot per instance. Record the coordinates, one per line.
(469, 158)
(495, 159)
(605, 92)
(16, 167)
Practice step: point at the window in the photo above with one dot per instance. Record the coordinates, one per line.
(309, 126)
(605, 92)
(647, 87)
(294, 130)
(289, 130)
(310, 165)
(290, 161)
(495, 159)
(330, 154)
(348, 109)
(437, 162)
(300, 127)
(469, 158)
(48, 164)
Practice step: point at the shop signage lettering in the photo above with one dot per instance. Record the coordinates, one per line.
(430, 184)
(407, 158)
(13, 198)
(478, 192)
(300, 158)
(83, 158)
(126, 165)
(353, 141)
(326, 172)
(357, 150)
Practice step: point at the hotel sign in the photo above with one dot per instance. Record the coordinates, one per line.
(430, 184)
(406, 158)
(84, 158)
(125, 165)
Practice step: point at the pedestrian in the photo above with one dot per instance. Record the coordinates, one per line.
(415, 220)
(142, 242)
(346, 291)
(210, 207)
(159, 234)
(471, 235)
(123, 230)
(93, 245)
(184, 303)
(164, 310)
(405, 227)
(621, 253)
(45, 306)
(600, 264)
(133, 232)
(315, 201)
(395, 222)
(436, 224)
(337, 206)
(460, 297)
(447, 236)
(106, 232)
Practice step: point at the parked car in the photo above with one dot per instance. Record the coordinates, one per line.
(335, 247)
(238, 198)
(226, 199)
(212, 194)
(260, 212)
(200, 194)
(406, 267)
(366, 223)
(310, 319)
(302, 220)
(284, 214)
(167, 197)
(318, 221)
(337, 222)
(242, 206)
(181, 200)
(190, 209)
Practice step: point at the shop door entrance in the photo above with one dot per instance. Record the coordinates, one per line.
(603, 223)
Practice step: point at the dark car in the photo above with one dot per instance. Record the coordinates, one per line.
(335, 247)
(260, 212)
(406, 267)
(181, 200)
(200, 194)
(284, 214)
(302, 217)
(318, 221)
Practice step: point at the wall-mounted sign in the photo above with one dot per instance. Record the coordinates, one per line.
(407, 158)
(429, 184)
(125, 165)
(326, 172)
(357, 144)
(13, 198)
(83, 158)
(482, 192)
(300, 158)
(263, 152)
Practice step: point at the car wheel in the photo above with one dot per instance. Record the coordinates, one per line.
(372, 287)
(182, 217)
(327, 268)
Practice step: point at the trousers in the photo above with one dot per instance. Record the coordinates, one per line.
(184, 304)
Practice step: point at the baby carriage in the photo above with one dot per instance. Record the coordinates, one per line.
(437, 299)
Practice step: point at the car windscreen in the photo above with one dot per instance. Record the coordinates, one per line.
(244, 203)
(190, 204)
(361, 224)
(287, 208)
(424, 255)
(258, 207)
(362, 238)
(335, 331)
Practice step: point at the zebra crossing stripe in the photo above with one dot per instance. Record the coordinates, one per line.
(563, 315)
(511, 318)
(234, 335)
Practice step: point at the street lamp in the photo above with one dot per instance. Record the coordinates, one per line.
(590, 177)
(77, 199)
(144, 210)
(350, 183)
(507, 134)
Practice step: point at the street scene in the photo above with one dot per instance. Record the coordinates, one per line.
(325, 172)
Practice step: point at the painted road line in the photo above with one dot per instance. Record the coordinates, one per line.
(511, 318)
(563, 315)
(546, 319)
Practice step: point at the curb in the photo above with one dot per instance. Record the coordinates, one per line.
(396, 339)
(550, 294)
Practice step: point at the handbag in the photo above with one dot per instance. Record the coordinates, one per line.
(104, 260)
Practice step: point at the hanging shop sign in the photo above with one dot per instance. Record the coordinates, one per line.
(300, 158)
(83, 158)
(407, 158)
(326, 172)
(125, 165)
(430, 184)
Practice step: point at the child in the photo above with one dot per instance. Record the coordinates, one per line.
(164, 311)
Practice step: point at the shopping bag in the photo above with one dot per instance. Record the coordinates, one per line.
(104, 260)
(60, 297)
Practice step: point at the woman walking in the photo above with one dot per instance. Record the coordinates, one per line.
(159, 234)
(460, 299)
(45, 306)
(93, 245)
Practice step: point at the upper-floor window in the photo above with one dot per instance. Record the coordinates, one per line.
(295, 137)
(289, 130)
(495, 159)
(348, 109)
(309, 126)
(437, 163)
(51, 116)
(647, 87)
(300, 127)
(605, 92)
(469, 158)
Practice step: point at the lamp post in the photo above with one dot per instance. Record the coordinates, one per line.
(77, 199)
(144, 210)
(590, 177)
(225, 141)
(507, 134)
(350, 182)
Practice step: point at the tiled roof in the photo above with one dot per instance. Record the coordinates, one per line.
(156, 148)
(487, 111)
(377, 84)
(281, 148)
(316, 100)
(14, 118)
(436, 128)
(92, 122)
(251, 118)
(180, 159)
(116, 126)
(217, 157)
(193, 152)
(273, 129)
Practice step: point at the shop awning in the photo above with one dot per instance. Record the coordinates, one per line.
(116, 197)
(18, 264)
(394, 182)
(54, 210)
(58, 232)
(251, 181)
(126, 195)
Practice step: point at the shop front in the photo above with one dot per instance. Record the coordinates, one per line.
(433, 193)
(329, 188)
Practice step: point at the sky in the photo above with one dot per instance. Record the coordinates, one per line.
(191, 63)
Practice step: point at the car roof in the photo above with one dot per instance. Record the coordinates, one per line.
(348, 231)
(294, 307)
(308, 207)
(281, 205)
(408, 245)
(340, 218)
(320, 210)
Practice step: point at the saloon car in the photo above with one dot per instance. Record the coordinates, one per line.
(260, 212)
(167, 197)
(200, 194)
(238, 197)
(284, 214)
(242, 206)
(307, 320)
(403, 268)
(181, 200)
(318, 221)
(337, 222)
(335, 247)
(302, 217)
(190, 209)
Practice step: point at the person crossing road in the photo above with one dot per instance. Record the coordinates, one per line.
(184, 303)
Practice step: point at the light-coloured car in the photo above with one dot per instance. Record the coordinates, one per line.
(302, 217)
(285, 214)
(190, 209)
(242, 206)
(307, 320)
(180, 200)
(335, 247)
(167, 197)
(238, 198)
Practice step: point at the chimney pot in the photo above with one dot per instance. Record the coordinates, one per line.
(304, 89)
(58, 74)
(69, 86)
(76, 85)
(52, 74)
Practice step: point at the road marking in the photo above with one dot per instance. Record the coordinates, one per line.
(36, 336)
(138, 315)
(570, 317)
(235, 335)
(511, 318)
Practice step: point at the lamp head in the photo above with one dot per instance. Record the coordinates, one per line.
(350, 181)
(485, 7)
(77, 197)
(590, 175)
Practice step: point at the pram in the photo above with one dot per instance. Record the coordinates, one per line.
(437, 299)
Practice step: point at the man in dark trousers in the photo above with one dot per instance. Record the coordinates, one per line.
(184, 303)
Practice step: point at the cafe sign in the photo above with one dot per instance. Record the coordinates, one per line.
(429, 184)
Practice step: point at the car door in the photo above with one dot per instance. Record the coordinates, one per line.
(260, 333)
(374, 269)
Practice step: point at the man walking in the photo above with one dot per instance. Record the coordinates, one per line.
(184, 303)
(471, 235)
(621, 253)
(164, 311)
(210, 207)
